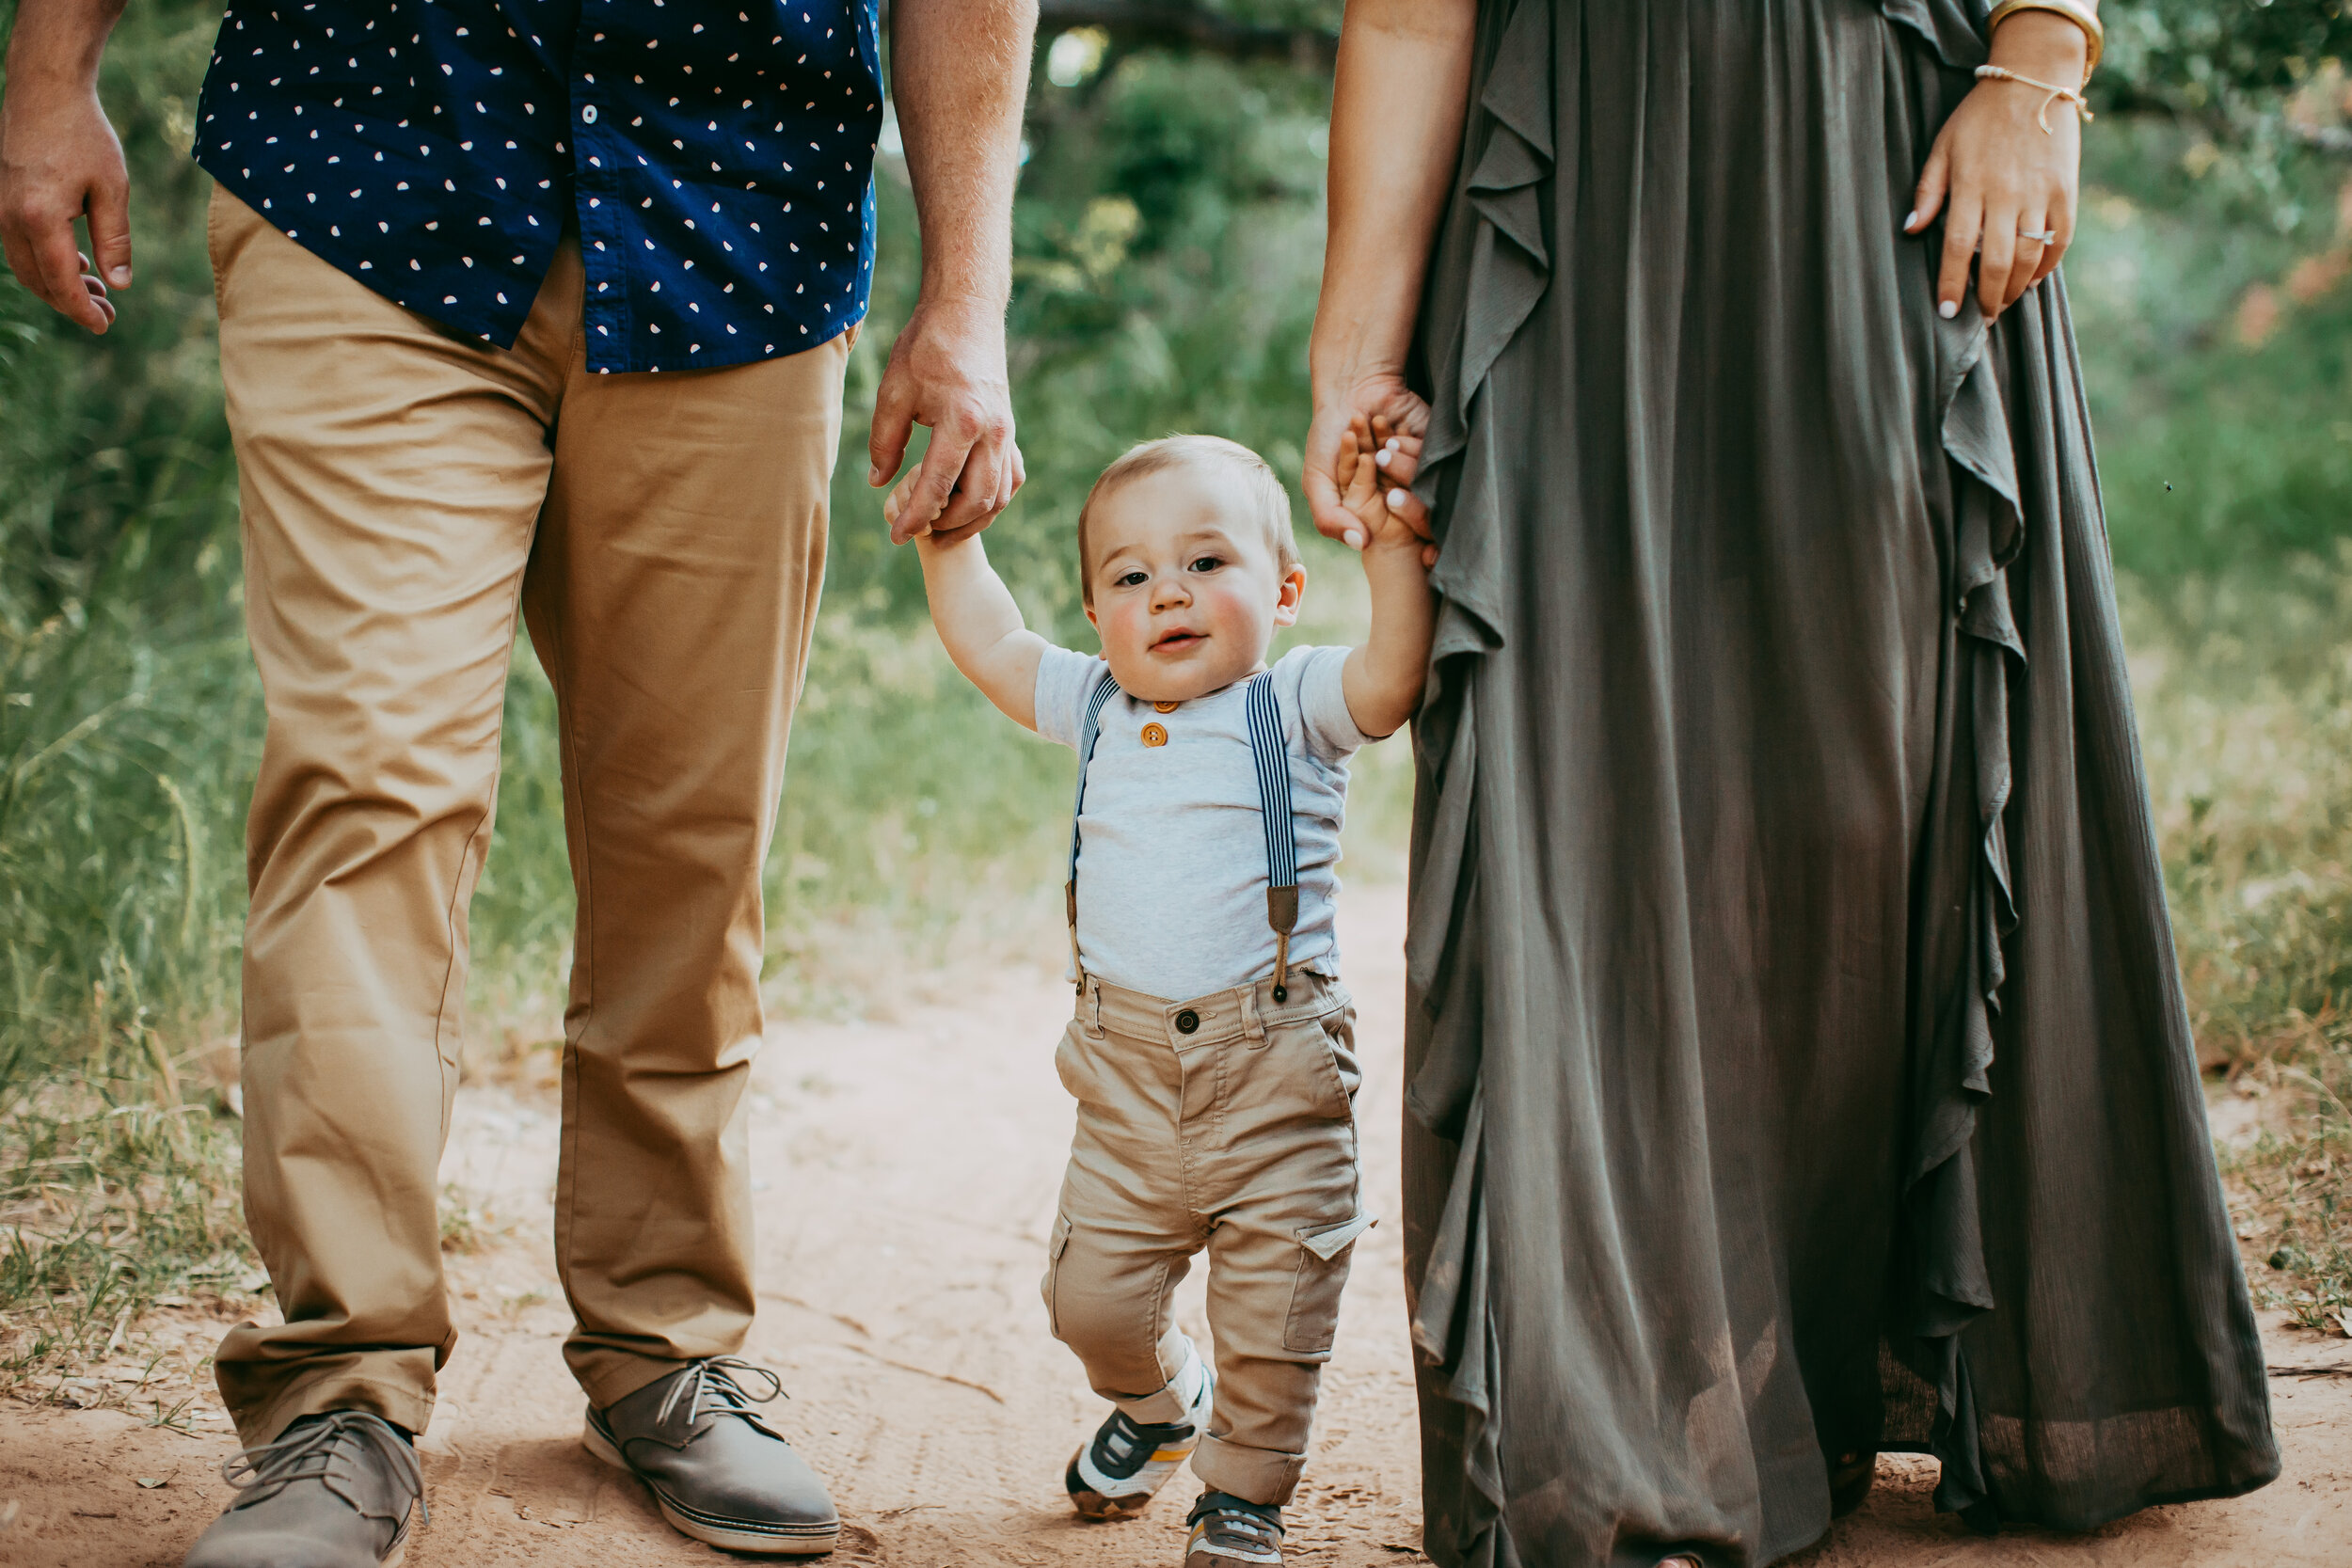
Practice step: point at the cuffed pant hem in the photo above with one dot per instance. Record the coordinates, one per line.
(1253, 1475)
(608, 1376)
(1166, 1407)
(403, 1407)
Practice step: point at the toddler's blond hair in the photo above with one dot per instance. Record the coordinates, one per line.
(1168, 451)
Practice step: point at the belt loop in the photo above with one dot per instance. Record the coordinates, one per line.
(1253, 1026)
(1094, 996)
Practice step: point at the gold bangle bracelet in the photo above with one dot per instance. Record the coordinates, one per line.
(2081, 16)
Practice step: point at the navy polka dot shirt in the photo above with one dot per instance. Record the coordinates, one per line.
(716, 157)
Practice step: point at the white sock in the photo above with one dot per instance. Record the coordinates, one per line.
(1191, 1378)
(1186, 1385)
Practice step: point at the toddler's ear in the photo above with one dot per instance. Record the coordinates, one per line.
(1293, 590)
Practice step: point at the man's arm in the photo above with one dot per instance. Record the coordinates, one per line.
(960, 76)
(59, 161)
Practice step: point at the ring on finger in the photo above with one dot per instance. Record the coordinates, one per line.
(2046, 236)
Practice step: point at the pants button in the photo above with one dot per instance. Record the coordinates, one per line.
(1186, 1022)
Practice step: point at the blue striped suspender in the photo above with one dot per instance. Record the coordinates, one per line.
(1089, 732)
(1273, 760)
(1270, 758)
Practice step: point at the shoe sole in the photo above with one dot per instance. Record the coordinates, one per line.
(728, 1535)
(1091, 1504)
(1094, 1505)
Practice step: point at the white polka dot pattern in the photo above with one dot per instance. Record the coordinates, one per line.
(716, 157)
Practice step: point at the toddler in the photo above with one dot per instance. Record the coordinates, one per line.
(1212, 1053)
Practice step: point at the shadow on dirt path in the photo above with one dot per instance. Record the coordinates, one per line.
(906, 1175)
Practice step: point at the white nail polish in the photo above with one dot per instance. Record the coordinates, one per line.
(1396, 501)
(1380, 458)
(1355, 540)
(1911, 221)
(1948, 309)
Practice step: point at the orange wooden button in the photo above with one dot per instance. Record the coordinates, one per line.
(1165, 707)
(1155, 735)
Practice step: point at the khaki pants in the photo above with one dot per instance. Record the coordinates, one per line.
(404, 490)
(1224, 1123)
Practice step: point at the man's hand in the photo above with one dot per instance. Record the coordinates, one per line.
(960, 73)
(59, 161)
(948, 372)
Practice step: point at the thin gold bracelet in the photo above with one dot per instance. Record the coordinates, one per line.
(2094, 32)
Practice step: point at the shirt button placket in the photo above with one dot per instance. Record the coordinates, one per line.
(603, 336)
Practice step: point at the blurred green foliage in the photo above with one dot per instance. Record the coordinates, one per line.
(1169, 237)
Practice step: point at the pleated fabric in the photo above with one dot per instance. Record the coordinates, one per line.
(1798, 1065)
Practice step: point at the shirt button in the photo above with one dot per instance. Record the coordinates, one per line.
(1155, 734)
(588, 115)
(1165, 707)
(1186, 1022)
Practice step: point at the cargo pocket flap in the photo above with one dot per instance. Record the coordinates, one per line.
(1329, 1242)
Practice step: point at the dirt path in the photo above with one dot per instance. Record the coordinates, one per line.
(907, 1173)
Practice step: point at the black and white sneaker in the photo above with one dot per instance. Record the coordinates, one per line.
(1116, 1475)
(1227, 1529)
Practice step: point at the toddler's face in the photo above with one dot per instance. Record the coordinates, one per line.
(1187, 592)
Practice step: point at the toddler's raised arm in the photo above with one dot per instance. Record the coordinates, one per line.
(1383, 679)
(982, 626)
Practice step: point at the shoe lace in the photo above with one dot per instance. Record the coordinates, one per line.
(310, 1451)
(709, 1386)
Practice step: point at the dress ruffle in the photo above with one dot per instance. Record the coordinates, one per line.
(1509, 270)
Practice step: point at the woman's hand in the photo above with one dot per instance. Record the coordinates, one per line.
(1998, 177)
(1381, 411)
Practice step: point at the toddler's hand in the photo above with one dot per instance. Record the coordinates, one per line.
(1366, 453)
(900, 499)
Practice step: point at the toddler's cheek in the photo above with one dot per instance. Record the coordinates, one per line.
(1122, 632)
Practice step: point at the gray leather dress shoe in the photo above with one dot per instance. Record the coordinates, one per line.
(335, 1491)
(720, 1473)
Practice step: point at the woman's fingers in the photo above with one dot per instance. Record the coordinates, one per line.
(1406, 508)
(2061, 223)
(1996, 259)
(1962, 231)
(2025, 269)
(1934, 183)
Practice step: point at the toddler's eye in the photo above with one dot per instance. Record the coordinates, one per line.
(1208, 563)
(1132, 580)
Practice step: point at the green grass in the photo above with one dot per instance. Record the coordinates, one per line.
(2247, 723)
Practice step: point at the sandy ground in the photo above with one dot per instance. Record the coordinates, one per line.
(907, 1173)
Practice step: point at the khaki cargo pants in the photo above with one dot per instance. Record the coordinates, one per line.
(1225, 1123)
(405, 490)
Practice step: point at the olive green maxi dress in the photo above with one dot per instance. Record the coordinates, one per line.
(1798, 1064)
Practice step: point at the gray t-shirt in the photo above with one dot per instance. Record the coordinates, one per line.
(1171, 863)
